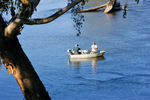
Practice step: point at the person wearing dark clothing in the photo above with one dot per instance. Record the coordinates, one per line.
(76, 49)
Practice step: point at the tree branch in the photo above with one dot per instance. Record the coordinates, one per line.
(11, 28)
(50, 18)
(28, 7)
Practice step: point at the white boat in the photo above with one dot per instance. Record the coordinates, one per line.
(86, 54)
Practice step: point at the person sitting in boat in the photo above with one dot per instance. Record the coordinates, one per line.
(94, 48)
(76, 49)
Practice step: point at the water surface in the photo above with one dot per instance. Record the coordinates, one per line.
(122, 74)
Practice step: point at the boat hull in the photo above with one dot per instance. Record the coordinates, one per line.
(83, 56)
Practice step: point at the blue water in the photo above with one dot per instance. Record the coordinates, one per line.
(122, 74)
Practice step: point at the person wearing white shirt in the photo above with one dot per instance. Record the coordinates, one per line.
(94, 48)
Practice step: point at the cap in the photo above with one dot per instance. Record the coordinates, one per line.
(76, 45)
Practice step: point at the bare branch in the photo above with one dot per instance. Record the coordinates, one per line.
(50, 18)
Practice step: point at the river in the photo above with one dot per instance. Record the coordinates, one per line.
(122, 74)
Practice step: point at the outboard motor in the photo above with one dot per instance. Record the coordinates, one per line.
(69, 51)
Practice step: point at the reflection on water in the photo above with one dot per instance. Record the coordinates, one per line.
(94, 64)
(77, 62)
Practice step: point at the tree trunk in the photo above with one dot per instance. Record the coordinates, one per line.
(13, 56)
(110, 6)
(94, 8)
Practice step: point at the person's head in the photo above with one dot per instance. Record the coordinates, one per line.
(94, 43)
(76, 45)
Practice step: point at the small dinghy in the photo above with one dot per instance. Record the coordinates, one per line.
(85, 54)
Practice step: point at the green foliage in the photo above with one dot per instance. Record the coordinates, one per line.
(137, 1)
(77, 18)
(9, 6)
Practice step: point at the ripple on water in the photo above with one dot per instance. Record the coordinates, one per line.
(103, 76)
